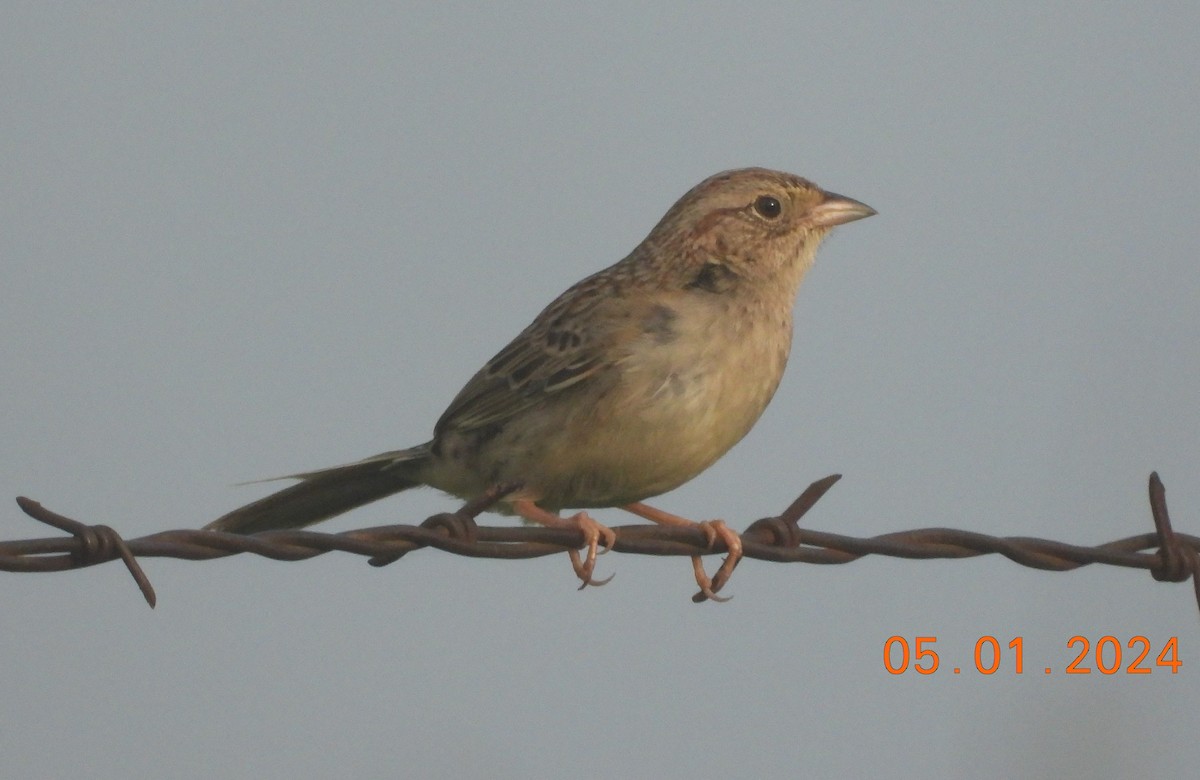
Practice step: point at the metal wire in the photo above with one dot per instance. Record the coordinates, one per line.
(1169, 556)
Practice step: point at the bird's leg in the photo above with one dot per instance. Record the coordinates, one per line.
(713, 530)
(593, 533)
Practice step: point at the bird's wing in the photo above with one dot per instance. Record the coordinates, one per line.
(570, 342)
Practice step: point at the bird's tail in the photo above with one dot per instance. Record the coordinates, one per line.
(323, 494)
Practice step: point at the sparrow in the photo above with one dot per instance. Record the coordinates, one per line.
(629, 384)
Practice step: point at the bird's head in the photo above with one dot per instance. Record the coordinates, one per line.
(753, 223)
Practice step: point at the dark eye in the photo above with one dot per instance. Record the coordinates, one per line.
(767, 206)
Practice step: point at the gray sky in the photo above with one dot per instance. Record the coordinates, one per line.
(238, 243)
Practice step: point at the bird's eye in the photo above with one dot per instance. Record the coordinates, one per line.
(767, 207)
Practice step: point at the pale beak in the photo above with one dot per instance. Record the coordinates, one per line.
(838, 210)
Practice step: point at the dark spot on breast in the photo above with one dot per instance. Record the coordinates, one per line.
(659, 324)
(713, 278)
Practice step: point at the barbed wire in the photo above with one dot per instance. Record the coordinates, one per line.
(1167, 555)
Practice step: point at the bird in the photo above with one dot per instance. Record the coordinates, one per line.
(627, 385)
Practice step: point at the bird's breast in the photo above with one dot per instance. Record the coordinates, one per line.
(684, 392)
(688, 386)
(707, 382)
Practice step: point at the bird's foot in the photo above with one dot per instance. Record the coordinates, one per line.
(713, 530)
(593, 533)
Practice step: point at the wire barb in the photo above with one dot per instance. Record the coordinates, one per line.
(97, 544)
(1168, 555)
(1176, 561)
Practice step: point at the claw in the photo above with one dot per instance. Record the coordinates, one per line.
(595, 537)
(584, 572)
(733, 542)
(593, 533)
(713, 530)
(706, 585)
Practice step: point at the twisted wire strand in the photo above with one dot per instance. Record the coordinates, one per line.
(1168, 555)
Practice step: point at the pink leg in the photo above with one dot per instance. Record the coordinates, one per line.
(713, 530)
(593, 533)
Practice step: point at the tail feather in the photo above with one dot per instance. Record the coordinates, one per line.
(323, 494)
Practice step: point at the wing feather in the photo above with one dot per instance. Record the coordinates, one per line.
(570, 342)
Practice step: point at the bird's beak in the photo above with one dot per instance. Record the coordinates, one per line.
(838, 210)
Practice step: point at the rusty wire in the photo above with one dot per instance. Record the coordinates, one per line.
(1169, 556)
